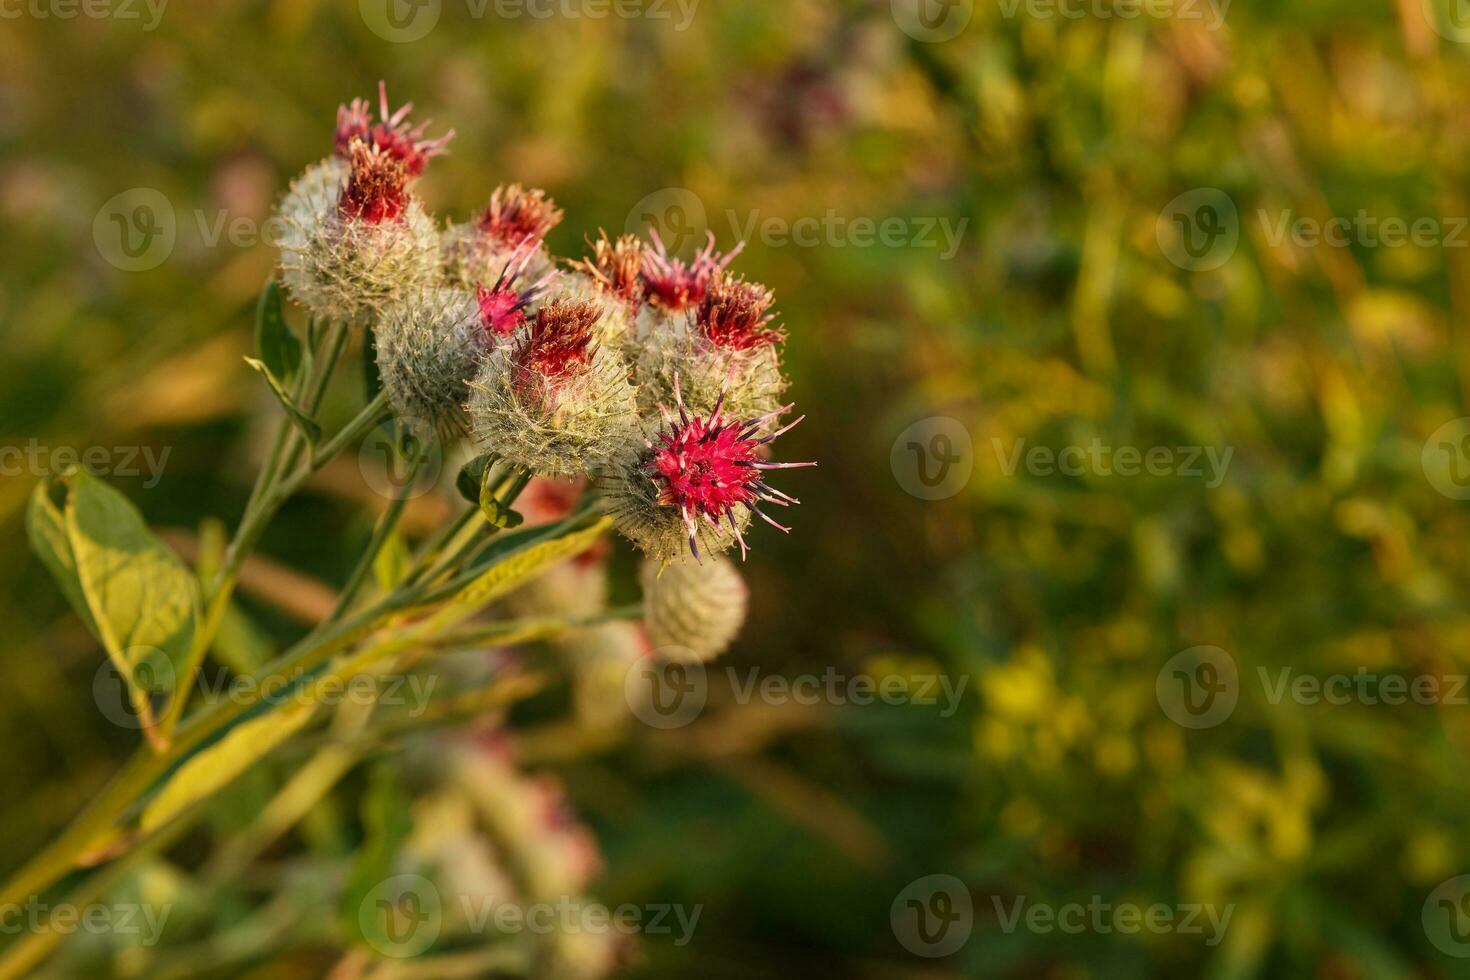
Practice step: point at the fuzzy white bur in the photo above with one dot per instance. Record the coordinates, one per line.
(344, 269)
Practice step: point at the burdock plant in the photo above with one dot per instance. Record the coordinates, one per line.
(652, 382)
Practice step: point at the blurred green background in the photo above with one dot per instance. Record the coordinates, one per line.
(1069, 311)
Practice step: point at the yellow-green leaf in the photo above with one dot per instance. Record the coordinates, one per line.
(516, 569)
(392, 562)
(144, 602)
(46, 526)
(217, 766)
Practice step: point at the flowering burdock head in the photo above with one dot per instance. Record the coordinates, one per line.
(515, 214)
(693, 609)
(725, 346)
(614, 267)
(430, 344)
(377, 186)
(674, 285)
(609, 279)
(503, 305)
(552, 400)
(695, 483)
(392, 133)
(354, 236)
(516, 219)
(736, 315)
(548, 852)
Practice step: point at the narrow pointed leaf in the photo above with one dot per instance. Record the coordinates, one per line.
(277, 346)
(308, 426)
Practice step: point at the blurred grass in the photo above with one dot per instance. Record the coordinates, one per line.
(1059, 320)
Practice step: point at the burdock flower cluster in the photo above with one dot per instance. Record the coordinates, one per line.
(657, 377)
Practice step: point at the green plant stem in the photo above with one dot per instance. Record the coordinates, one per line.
(26, 953)
(90, 829)
(526, 630)
(384, 528)
(425, 558)
(267, 496)
(471, 543)
(93, 831)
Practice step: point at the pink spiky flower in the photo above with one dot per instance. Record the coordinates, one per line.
(706, 468)
(735, 315)
(559, 346)
(377, 187)
(676, 285)
(393, 133)
(502, 306)
(516, 214)
(616, 268)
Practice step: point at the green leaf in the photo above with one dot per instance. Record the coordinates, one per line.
(144, 602)
(308, 426)
(275, 344)
(392, 562)
(472, 477)
(516, 568)
(220, 764)
(496, 512)
(46, 526)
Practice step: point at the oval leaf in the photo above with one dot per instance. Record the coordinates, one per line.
(144, 602)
